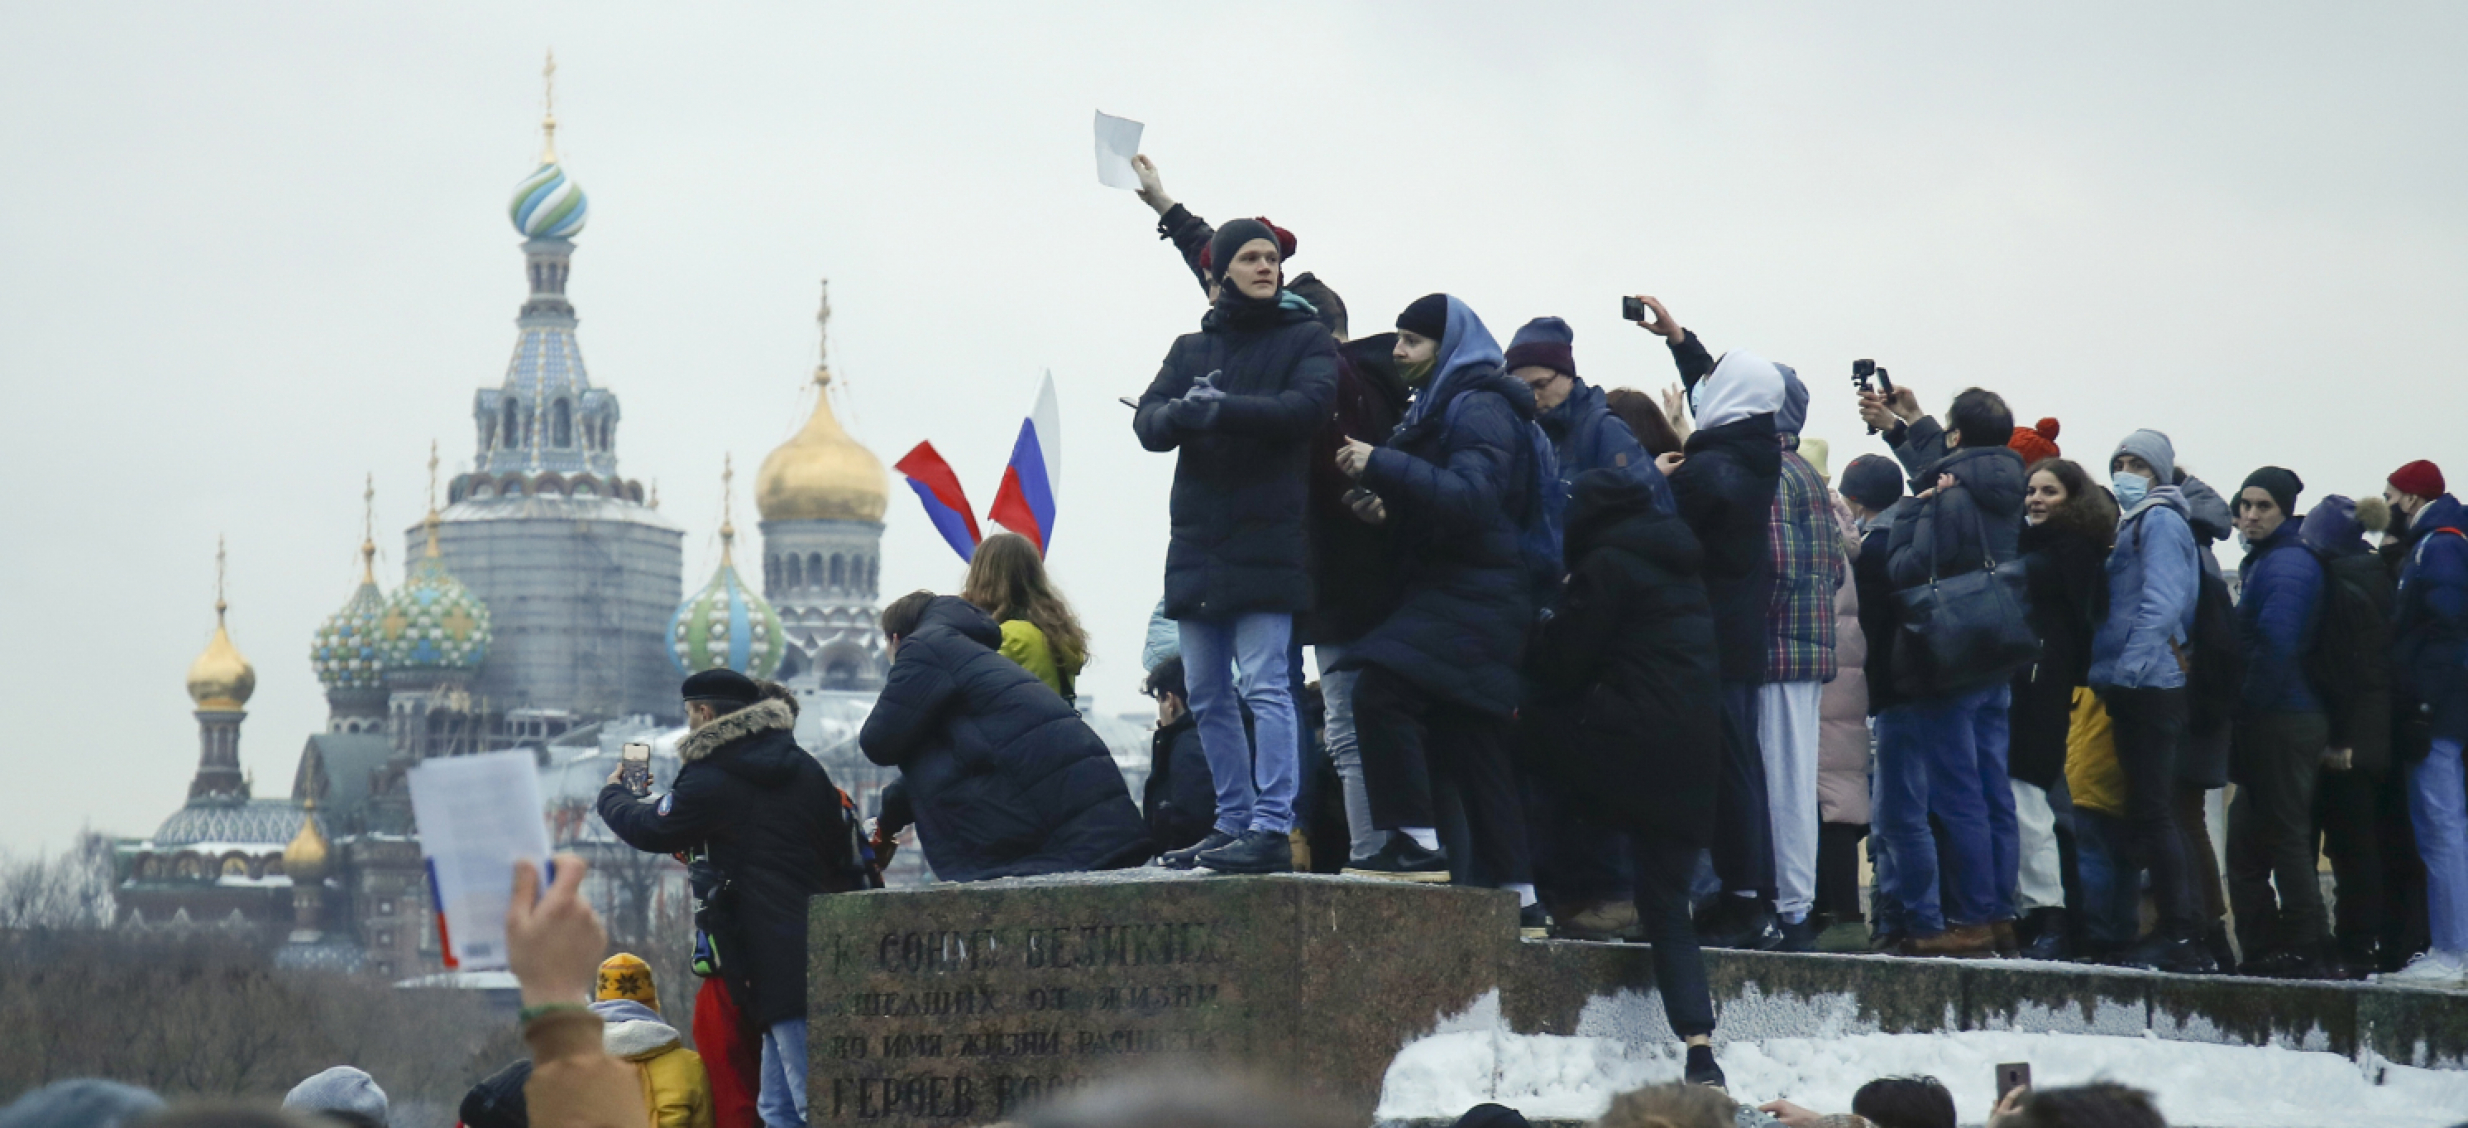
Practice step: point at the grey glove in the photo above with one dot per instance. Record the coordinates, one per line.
(1191, 413)
(1205, 388)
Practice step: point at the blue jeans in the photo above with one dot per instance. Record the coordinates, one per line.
(1211, 650)
(2438, 808)
(1345, 751)
(782, 1101)
(1947, 758)
(2111, 882)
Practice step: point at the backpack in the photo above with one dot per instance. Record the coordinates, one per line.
(2352, 640)
(2215, 679)
(1540, 511)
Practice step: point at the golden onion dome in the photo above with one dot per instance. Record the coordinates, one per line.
(220, 679)
(822, 474)
(304, 861)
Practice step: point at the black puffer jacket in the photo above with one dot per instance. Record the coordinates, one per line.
(1627, 710)
(1005, 778)
(2067, 559)
(1241, 489)
(1726, 494)
(771, 820)
(1352, 573)
(1455, 484)
(1180, 801)
(1960, 528)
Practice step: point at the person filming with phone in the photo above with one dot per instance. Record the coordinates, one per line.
(766, 827)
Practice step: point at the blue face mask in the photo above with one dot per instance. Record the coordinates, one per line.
(2131, 488)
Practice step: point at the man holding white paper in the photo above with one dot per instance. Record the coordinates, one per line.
(767, 822)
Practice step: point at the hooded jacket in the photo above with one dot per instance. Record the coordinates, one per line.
(1241, 486)
(1876, 605)
(2280, 585)
(1842, 710)
(770, 818)
(2429, 647)
(2361, 719)
(1586, 436)
(2153, 580)
(675, 1088)
(2207, 514)
(1180, 799)
(2062, 557)
(1453, 479)
(1005, 779)
(1352, 573)
(1627, 715)
(1725, 488)
(1963, 528)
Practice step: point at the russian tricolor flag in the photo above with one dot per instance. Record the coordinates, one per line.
(1025, 504)
(946, 504)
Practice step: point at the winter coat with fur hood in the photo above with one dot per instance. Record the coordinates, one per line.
(674, 1085)
(1005, 778)
(770, 818)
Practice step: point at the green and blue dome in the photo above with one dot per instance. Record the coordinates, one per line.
(432, 622)
(548, 204)
(345, 650)
(726, 624)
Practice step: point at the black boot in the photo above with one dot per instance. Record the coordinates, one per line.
(1257, 851)
(1745, 923)
(2182, 955)
(1701, 1068)
(1184, 858)
(2049, 943)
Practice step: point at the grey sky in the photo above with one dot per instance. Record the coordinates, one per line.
(251, 251)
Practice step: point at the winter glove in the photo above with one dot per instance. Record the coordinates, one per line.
(1191, 413)
(1205, 389)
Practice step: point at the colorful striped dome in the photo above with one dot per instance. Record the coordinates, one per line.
(432, 622)
(548, 205)
(726, 624)
(344, 650)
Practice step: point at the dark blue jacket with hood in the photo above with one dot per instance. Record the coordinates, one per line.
(2430, 647)
(1005, 778)
(2281, 596)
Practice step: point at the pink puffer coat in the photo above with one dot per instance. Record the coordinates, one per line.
(1842, 714)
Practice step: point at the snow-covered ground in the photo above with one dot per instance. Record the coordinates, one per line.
(1473, 1058)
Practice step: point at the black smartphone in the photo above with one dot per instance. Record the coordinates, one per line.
(1127, 401)
(1632, 309)
(635, 758)
(2011, 1076)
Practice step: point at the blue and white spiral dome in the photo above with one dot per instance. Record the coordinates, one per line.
(549, 205)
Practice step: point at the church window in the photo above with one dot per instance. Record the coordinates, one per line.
(874, 573)
(561, 428)
(814, 569)
(839, 571)
(796, 574)
(513, 428)
(235, 866)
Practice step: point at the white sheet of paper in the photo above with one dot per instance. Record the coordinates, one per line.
(1118, 140)
(478, 815)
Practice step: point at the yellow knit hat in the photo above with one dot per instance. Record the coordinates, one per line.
(626, 976)
(1815, 452)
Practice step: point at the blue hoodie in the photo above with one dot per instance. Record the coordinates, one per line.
(2281, 582)
(2154, 579)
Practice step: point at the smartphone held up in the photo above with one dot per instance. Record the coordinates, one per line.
(635, 762)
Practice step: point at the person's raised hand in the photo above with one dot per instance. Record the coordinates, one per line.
(1667, 463)
(1791, 1115)
(1876, 412)
(1152, 185)
(2008, 1105)
(1659, 320)
(554, 942)
(1353, 457)
(1906, 404)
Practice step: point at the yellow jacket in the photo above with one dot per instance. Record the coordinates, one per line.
(1025, 644)
(2091, 771)
(673, 1083)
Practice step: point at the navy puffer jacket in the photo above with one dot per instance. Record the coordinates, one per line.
(2282, 593)
(1241, 487)
(1005, 778)
(1453, 484)
(2430, 647)
(1585, 436)
(1960, 529)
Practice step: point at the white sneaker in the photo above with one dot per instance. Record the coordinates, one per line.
(2434, 968)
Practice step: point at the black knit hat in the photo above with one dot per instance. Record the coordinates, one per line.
(2282, 484)
(1427, 317)
(720, 686)
(1873, 480)
(1230, 239)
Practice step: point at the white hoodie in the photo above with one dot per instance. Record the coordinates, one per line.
(1742, 384)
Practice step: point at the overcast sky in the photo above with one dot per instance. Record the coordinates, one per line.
(250, 252)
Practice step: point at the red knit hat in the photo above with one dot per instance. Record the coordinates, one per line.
(2036, 442)
(2421, 478)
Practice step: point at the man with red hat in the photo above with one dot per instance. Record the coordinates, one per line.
(2430, 659)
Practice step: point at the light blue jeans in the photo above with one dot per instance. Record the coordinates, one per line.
(2439, 808)
(782, 1101)
(1254, 792)
(1345, 751)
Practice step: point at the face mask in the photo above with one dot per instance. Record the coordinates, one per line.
(1414, 374)
(2131, 488)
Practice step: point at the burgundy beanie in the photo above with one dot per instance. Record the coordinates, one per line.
(1545, 342)
(2035, 443)
(2422, 478)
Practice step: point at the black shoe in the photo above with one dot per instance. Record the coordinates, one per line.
(2179, 955)
(1701, 1068)
(1402, 859)
(2049, 942)
(1257, 851)
(2352, 961)
(1744, 924)
(1801, 937)
(2215, 941)
(1533, 922)
(2285, 963)
(1185, 857)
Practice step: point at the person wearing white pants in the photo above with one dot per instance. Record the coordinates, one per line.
(1808, 568)
(2043, 882)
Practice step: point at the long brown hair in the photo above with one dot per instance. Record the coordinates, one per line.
(2087, 509)
(1007, 579)
(1645, 418)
